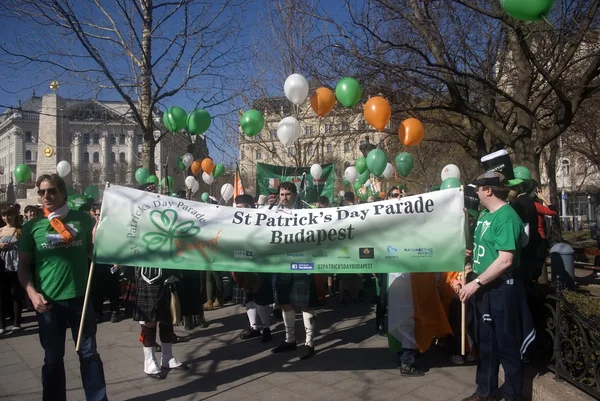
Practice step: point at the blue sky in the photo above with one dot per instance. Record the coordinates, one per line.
(19, 85)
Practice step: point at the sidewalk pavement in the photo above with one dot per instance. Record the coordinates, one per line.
(352, 363)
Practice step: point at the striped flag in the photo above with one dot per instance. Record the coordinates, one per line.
(273, 183)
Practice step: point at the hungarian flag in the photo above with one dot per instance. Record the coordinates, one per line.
(238, 187)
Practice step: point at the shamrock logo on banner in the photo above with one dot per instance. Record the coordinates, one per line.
(168, 230)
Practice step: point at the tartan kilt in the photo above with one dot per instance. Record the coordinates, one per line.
(239, 296)
(264, 295)
(149, 306)
(299, 290)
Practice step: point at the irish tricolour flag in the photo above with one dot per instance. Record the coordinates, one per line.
(273, 183)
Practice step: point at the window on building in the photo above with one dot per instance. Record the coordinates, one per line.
(113, 140)
(96, 157)
(273, 134)
(328, 128)
(86, 139)
(140, 139)
(28, 137)
(308, 131)
(242, 155)
(258, 155)
(566, 167)
(113, 158)
(121, 139)
(329, 148)
(122, 157)
(345, 127)
(363, 125)
(96, 139)
(86, 157)
(291, 151)
(346, 147)
(309, 150)
(28, 156)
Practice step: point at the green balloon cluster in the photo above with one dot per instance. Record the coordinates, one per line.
(169, 186)
(357, 185)
(450, 182)
(198, 122)
(180, 165)
(527, 10)
(348, 92)
(218, 171)
(404, 163)
(361, 165)
(22, 173)
(152, 180)
(91, 192)
(364, 177)
(141, 175)
(376, 162)
(175, 118)
(252, 122)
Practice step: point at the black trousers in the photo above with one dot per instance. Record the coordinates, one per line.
(105, 285)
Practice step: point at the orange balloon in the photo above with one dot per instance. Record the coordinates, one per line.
(196, 167)
(378, 112)
(208, 166)
(322, 101)
(411, 132)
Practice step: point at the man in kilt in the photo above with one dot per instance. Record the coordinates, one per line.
(254, 291)
(152, 309)
(295, 291)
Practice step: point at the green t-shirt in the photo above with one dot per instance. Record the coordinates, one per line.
(61, 269)
(497, 231)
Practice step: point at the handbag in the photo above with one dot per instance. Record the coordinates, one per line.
(175, 307)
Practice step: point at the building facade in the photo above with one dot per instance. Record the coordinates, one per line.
(98, 138)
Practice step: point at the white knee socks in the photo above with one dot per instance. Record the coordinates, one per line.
(309, 326)
(289, 321)
(252, 314)
(264, 312)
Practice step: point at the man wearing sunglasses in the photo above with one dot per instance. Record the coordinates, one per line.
(59, 244)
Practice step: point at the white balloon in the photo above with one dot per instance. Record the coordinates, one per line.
(351, 174)
(195, 187)
(189, 182)
(208, 178)
(296, 88)
(316, 171)
(367, 184)
(288, 131)
(389, 171)
(227, 191)
(341, 194)
(188, 159)
(451, 171)
(63, 168)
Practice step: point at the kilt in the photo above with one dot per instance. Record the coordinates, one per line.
(264, 295)
(152, 302)
(299, 290)
(191, 291)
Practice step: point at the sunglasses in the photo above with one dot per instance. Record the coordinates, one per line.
(395, 195)
(49, 191)
(97, 214)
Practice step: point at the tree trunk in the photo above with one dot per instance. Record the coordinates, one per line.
(526, 155)
(550, 165)
(146, 89)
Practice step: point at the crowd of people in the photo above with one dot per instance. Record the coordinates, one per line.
(44, 255)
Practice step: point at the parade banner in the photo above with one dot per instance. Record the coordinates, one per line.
(422, 233)
(268, 178)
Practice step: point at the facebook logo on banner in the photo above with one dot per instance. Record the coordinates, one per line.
(302, 266)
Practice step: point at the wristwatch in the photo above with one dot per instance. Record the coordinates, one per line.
(478, 282)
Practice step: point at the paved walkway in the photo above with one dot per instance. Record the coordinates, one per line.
(352, 364)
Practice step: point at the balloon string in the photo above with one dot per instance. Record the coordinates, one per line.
(549, 23)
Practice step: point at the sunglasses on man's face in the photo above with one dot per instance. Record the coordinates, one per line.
(49, 191)
(395, 194)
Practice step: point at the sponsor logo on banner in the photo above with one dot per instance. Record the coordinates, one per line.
(302, 266)
(242, 254)
(392, 253)
(295, 255)
(319, 254)
(420, 252)
(366, 253)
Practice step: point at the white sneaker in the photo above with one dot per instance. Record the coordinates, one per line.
(2, 331)
(16, 329)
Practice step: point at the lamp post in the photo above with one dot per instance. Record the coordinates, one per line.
(365, 146)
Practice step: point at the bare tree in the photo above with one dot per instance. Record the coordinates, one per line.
(497, 82)
(147, 51)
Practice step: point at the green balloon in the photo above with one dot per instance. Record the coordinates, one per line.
(174, 118)
(169, 186)
(180, 163)
(91, 192)
(361, 165)
(218, 171)
(252, 122)
(70, 191)
(357, 185)
(141, 175)
(346, 182)
(376, 162)
(204, 197)
(404, 163)
(22, 172)
(527, 10)
(434, 188)
(450, 183)
(364, 177)
(198, 121)
(348, 92)
(152, 180)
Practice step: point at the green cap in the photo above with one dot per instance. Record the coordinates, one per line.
(522, 173)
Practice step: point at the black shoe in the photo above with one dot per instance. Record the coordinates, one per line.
(343, 302)
(114, 317)
(157, 348)
(284, 347)
(249, 333)
(156, 376)
(308, 352)
(477, 397)
(410, 370)
(266, 336)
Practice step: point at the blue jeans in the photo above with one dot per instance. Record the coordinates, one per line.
(53, 328)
